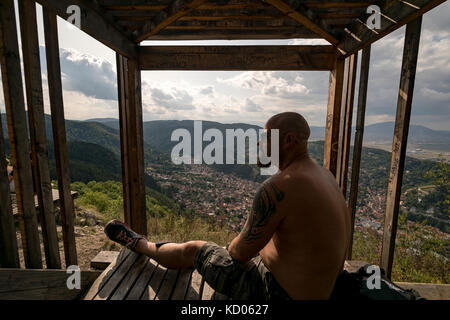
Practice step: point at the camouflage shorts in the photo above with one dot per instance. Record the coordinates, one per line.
(238, 281)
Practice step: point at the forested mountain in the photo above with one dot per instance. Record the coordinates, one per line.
(94, 154)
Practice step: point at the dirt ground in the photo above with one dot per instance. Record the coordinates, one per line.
(89, 240)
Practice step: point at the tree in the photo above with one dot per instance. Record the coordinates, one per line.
(439, 174)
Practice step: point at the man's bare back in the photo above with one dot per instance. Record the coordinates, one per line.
(307, 251)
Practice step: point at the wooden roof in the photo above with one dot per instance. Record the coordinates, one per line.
(342, 23)
(233, 19)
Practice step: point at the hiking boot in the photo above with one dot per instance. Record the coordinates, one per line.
(119, 232)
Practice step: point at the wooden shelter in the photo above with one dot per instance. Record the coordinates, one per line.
(123, 25)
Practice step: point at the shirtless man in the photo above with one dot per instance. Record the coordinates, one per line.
(294, 242)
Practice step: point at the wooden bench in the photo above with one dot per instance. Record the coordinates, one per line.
(42, 284)
(55, 193)
(132, 276)
(136, 277)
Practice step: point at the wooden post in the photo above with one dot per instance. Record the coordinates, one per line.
(36, 120)
(405, 96)
(59, 135)
(9, 256)
(122, 84)
(345, 131)
(18, 135)
(359, 134)
(333, 116)
(132, 144)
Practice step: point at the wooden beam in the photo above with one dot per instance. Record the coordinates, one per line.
(237, 57)
(22, 284)
(238, 23)
(224, 34)
(132, 144)
(94, 23)
(359, 134)
(304, 16)
(405, 96)
(18, 135)
(346, 122)
(399, 13)
(59, 134)
(176, 10)
(122, 85)
(333, 116)
(323, 4)
(36, 120)
(162, 5)
(9, 256)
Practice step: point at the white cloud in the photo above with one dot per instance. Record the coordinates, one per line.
(92, 76)
(274, 83)
(251, 106)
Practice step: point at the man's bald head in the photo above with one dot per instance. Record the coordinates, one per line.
(290, 122)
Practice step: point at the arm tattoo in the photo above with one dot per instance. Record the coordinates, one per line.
(263, 208)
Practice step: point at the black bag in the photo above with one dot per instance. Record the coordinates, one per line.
(353, 286)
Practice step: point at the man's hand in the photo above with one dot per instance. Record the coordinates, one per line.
(261, 223)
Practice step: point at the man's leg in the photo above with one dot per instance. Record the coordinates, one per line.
(171, 255)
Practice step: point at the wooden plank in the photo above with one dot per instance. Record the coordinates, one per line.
(106, 275)
(429, 291)
(237, 57)
(182, 284)
(36, 120)
(122, 85)
(59, 135)
(208, 292)
(168, 285)
(405, 96)
(18, 135)
(304, 16)
(236, 23)
(143, 280)
(117, 277)
(128, 281)
(338, 4)
(359, 134)
(103, 259)
(44, 284)
(177, 9)
(154, 285)
(241, 34)
(216, 17)
(55, 196)
(354, 265)
(96, 25)
(333, 116)
(194, 289)
(9, 256)
(164, 4)
(399, 13)
(132, 144)
(346, 121)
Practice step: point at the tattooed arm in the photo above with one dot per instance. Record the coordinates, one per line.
(261, 223)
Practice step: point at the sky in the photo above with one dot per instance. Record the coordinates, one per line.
(90, 90)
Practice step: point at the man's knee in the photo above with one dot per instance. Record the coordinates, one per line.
(191, 248)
